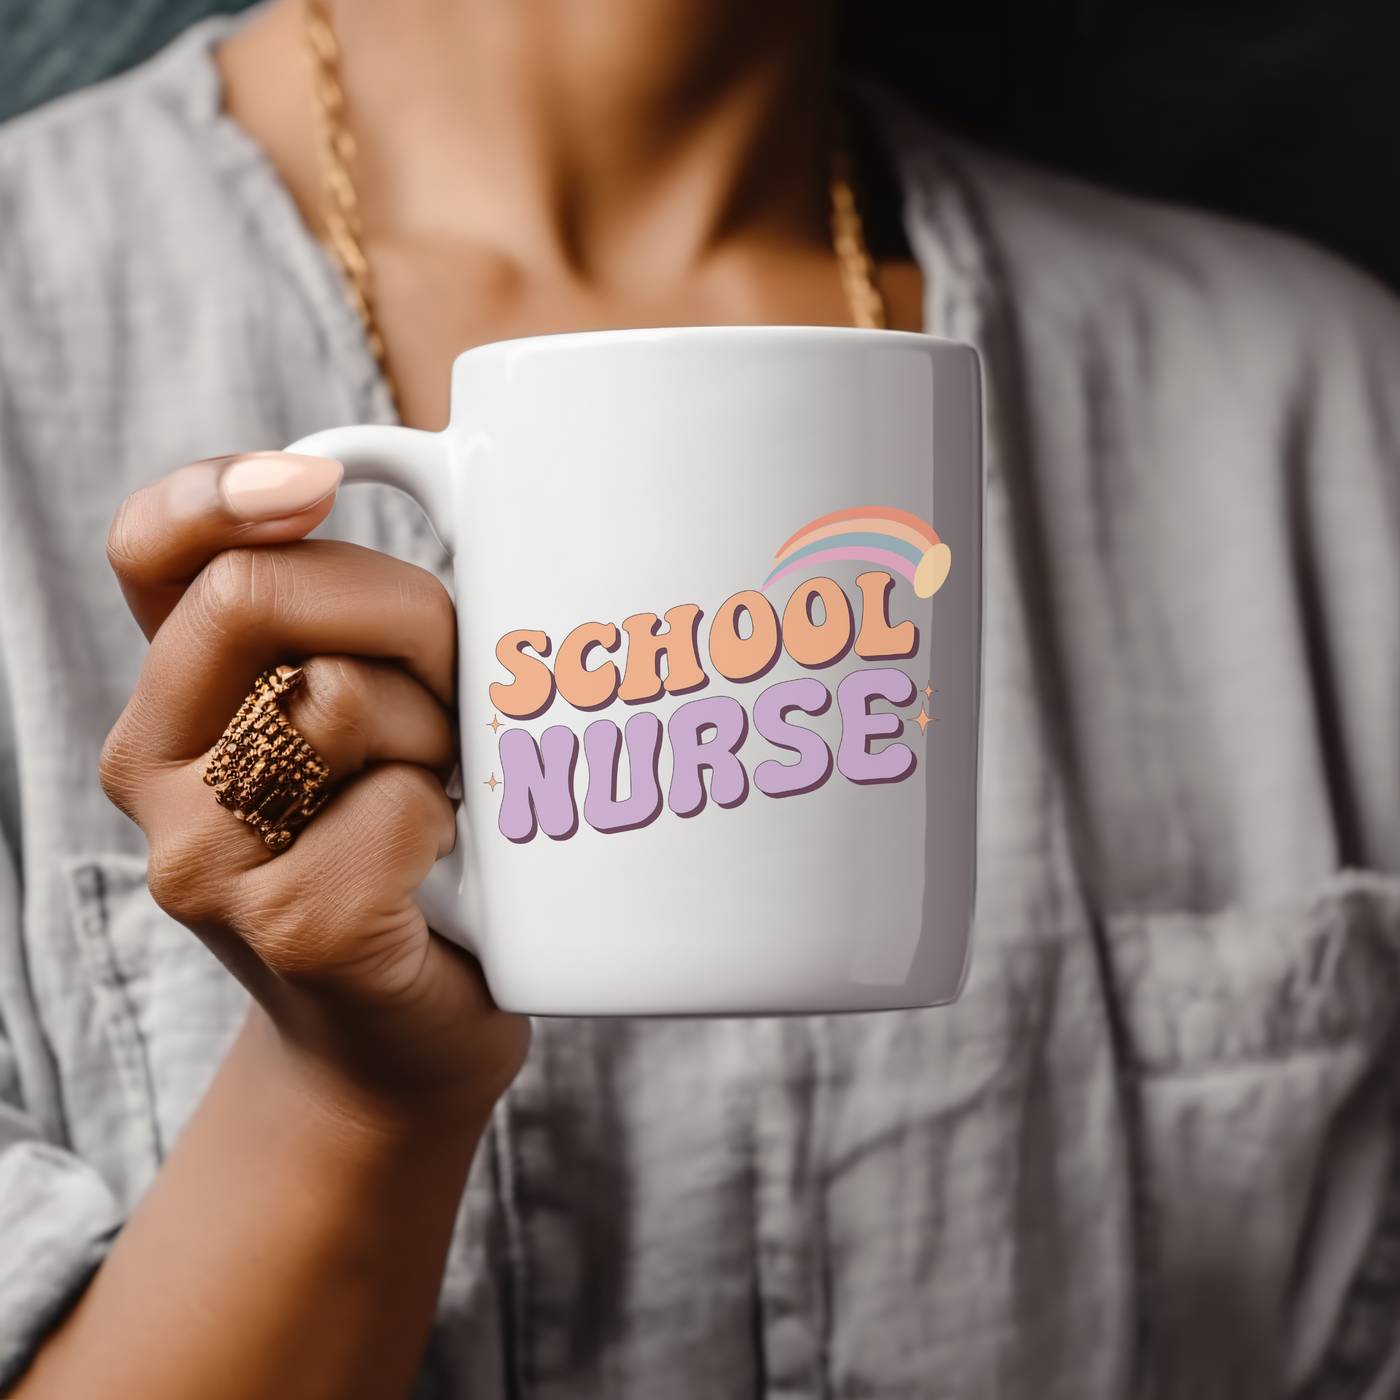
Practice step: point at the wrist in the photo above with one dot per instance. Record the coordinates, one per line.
(367, 1114)
(430, 1060)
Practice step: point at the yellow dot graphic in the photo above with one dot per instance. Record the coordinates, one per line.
(933, 569)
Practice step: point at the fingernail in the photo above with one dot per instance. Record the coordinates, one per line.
(270, 485)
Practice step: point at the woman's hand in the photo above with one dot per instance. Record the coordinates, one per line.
(326, 935)
(294, 1240)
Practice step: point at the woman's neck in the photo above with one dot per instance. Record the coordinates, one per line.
(564, 163)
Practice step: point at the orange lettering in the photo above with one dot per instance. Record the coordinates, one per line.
(739, 658)
(878, 641)
(641, 682)
(807, 643)
(533, 688)
(582, 688)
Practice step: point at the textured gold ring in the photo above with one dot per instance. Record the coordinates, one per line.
(262, 770)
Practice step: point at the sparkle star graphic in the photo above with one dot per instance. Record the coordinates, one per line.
(492, 783)
(493, 724)
(928, 690)
(923, 719)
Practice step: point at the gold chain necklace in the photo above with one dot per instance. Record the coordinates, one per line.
(341, 203)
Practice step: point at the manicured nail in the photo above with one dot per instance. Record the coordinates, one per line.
(270, 485)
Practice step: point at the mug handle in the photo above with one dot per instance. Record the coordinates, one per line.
(418, 464)
(415, 462)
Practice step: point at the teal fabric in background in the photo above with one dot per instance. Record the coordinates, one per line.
(1282, 111)
(1285, 112)
(49, 47)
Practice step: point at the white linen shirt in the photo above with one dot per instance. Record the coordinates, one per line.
(1151, 1151)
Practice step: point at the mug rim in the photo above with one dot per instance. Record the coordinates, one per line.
(633, 335)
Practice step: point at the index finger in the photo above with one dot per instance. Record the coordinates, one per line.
(165, 534)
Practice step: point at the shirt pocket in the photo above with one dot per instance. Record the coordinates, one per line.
(1260, 1047)
(164, 1012)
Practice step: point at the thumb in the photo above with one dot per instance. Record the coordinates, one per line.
(164, 535)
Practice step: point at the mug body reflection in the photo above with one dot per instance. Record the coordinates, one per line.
(719, 598)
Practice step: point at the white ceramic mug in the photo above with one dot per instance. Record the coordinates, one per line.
(719, 600)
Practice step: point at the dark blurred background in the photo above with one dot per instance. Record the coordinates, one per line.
(1282, 111)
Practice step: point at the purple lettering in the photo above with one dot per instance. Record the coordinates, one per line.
(539, 783)
(770, 713)
(859, 726)
(729, 783)
(602, 746)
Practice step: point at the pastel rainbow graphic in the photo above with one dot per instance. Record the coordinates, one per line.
(880, 535)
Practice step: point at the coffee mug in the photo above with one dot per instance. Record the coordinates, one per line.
(719, 602)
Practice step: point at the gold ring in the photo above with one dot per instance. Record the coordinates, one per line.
(262, 770)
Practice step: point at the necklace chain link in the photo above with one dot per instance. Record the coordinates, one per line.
(344, 231)
(848, 238)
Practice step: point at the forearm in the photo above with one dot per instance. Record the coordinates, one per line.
(292, 1245)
